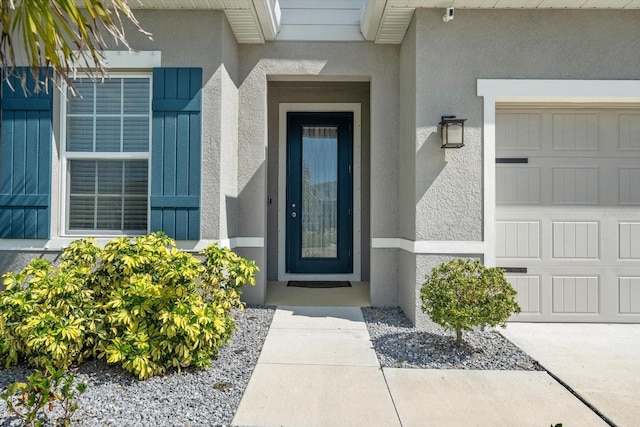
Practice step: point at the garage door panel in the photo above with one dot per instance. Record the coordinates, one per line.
(629, 132)
(575, 131)
(575, 240)
(518, 184)
(518, 131)
(629, 185)
(572, 227)
(518, 239)
(575, 185)
(575, 294)
(629, 240)
(529, 292)
(629, 295)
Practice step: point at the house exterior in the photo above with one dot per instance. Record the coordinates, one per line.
(305, 135)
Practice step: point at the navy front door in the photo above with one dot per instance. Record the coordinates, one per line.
(319, 193)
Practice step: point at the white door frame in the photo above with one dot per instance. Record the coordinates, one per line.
(355, 108)
(538, 91)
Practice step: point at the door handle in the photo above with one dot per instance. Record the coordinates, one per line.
(293, 215)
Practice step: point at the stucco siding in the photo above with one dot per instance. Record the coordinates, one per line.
(318, 61)
(407, 288)
(556, 44)
(316, 92)
(385, 277)
(255, 294)
(228, 143)
(407, 170)
(411, 188)
(513, 44)
(407, 148)
(206, 41)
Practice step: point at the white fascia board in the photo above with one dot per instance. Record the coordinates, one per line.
(269, 14)
(526, 90)
(122, 59)
(372, 12)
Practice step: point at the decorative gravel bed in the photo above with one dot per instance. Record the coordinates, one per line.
(399, 345)
(190, 398)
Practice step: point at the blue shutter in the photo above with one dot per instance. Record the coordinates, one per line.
(176, 152)
(25, 161)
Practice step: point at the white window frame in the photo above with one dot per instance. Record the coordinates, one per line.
(66, 156)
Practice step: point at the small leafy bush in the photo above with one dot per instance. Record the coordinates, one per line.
(43, 389)
(461, 294)
(48, 315)
(141, 303)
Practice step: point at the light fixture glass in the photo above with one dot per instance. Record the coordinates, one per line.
(452, 130)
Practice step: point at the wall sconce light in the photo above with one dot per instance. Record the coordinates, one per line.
(452, 132)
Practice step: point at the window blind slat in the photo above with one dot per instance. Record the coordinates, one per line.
(108, 134)
(136, 134)
(109, 97)
(137, 99)
(80, 134)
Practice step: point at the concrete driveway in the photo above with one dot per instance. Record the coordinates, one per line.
(600, 362)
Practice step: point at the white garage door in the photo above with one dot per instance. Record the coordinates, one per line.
(568, 211)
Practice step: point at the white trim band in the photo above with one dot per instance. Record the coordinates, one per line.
(58, 244)
(523, 90)
(232, 243)
(133, 59)
(429, 246)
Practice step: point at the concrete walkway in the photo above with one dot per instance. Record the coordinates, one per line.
(318, 368)
(600, 362)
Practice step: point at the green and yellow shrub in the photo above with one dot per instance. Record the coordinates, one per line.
(460, 294)
(141, 303)
(48, 315)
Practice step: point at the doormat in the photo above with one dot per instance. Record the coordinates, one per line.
(319, 284)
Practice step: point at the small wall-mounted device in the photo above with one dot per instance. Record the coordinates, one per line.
(448, 15)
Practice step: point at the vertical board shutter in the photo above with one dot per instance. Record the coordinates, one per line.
(176, 151)
(25, 160)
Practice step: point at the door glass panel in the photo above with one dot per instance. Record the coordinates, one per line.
(319, 192)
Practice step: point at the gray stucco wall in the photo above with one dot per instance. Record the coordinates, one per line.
(322, 61)
(407, 186)
(558, 44)
(204, 40)
(315, 92)
(418, 191)
(508, 44)
(228, 140)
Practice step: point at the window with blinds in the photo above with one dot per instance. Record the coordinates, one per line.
(107, 156)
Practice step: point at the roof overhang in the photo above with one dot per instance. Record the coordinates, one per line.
(382, 21)
(252, 21)
(386, 21)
